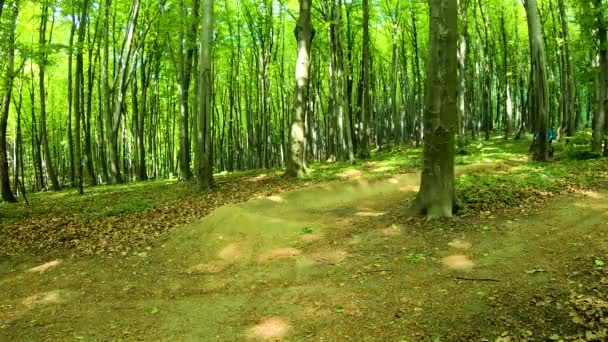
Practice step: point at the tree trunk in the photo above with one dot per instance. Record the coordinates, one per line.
(42, 89)
(304, 32)
(205, 170)
(79, 99)
(462, 73)
(70, 102)
(5, 184)
(437, 195)
(540, 90)
(366, 117)
(601, 95)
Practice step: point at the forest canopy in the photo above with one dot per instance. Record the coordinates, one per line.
(112, 91)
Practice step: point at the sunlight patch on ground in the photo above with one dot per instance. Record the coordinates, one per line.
(276, 199)
(460, 244)
(591, 194)
(383, 169)
(309, 238)
(410, 188)
(593, 205)
(231, 252)
(458, 262)
(393, 230)
(349, 174)
(50, 297)
(369, 214)
(279, 253)
(393, 180)
(44, 267)
(270, 329)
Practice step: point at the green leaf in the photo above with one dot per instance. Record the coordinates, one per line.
(599, 262)
(340, 309)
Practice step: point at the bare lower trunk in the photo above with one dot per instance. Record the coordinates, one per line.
(304, 32)
(437, 195)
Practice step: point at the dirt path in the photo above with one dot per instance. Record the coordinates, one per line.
(328, 263)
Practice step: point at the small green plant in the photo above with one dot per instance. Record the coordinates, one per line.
(414, 258)
(339, 309)
(308, 230)
(599, 262)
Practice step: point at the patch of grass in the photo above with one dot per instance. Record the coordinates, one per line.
(532, 182)
(414, 258)
(308, 230)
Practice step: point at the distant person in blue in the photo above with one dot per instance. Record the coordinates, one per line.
(551, 135)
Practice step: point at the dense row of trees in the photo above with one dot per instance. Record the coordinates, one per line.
(110, 91)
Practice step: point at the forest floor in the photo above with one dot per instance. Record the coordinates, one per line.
(330, 261)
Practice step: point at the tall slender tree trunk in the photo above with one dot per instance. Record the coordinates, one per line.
(304, 32)
(205, 164)
(540, 90)
(68, 121)
(570, 114)
(366, 117)
(437, 194)
(42, 94)
(462, 73)
(79, 98)
(5, 184)
(601, 93)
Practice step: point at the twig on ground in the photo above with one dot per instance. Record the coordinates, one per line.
(478, 279)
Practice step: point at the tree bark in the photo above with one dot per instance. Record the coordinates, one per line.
(366, 117)
(601, 95)
(540, 90)
(462, 73)
(304, 32)
(42, 94)
(5, 184)
(205, 164)
(437, 194)
(78, 98)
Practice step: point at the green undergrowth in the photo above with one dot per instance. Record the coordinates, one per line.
(508, 186)
(528, 183)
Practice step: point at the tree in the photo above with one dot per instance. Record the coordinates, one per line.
(205, 164)
(304, 32)
(43, 45)
(601, 78)
(366, 109)
(79, 97)
(5, 184)
(540, 89)
(437, 194)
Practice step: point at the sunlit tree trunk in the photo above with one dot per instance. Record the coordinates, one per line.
(296, 163)
(437, 195)
(462, 72)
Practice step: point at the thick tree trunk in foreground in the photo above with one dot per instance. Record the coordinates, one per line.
(5, 184)
(296, 163)
(601, 95)
(205, 164)
(540, 88)
(437, 194)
